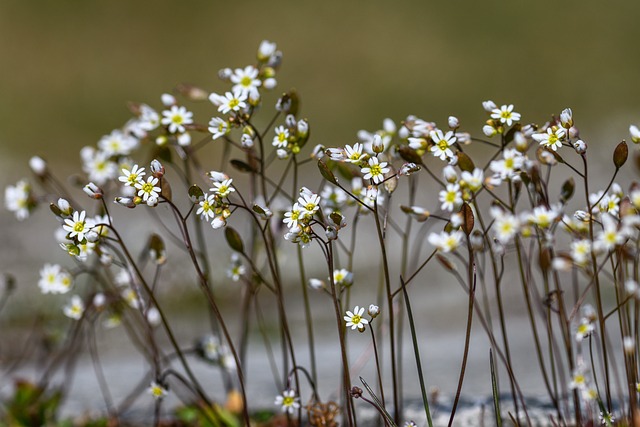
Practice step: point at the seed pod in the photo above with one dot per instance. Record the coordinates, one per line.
(620, 154)
(326, 173)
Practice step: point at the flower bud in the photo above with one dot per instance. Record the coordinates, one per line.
(153, 316)
(275, 60)
(92, 236)
(635, 134)
(93, 191)
(290, 121)
(216, 99)
(454, 123)
(225, 74)
(303, 128)
(127, 202)
(282, 153)
(316, 284)
(408, 169)
(489, 106)
(184, 139)
(580, 146)
(566, 118)
(157, 170)
(629, 345)
(218, 222)
(284, 103)
(38, 166)
(168, 100)
(331, 232)
(246, 140)
(376, 144)
(373, 311)
(152, 201)
(521, 142)
(64, 206)
(449, 174)
(99, 300)
(216, 176)
(318, 152)
(266, 50)
(489, 130)
(162, 140)
(269, 83)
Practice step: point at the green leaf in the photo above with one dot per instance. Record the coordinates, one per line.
(196, 194)
(234, 240)
(326, 173)
(241, 166)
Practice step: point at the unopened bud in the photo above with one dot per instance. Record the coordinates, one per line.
(218, 222)
(449, 174)
(266, 50)
(316, 284)
(162, 140)
(93, 191)
(521, 142)
(184, 139)
(64, 206)
(303, 128)
(373, 311)
(246, 140)
(629, 345)
(284, 103)
(454, 123)
(290, 121)
(580, 146)
(269, 83)
(216, 176)
(376, 145)
(408, 168)
(152, 201)
(168, 99)
(566, 118)
(489, 106)
(282, 153)
(635, 134)
(331, 232)
(92, 236)
(38, 166)
(157, 170)
(127, 202)
(489, 130)
(192, 93)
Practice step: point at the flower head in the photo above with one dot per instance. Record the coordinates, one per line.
(245, 79)
(176, 118)
(77, 226)
(505, 114)
(375, 170)
(552, 138)
(442, 143)
(232, 101)
(288, 401)
(75, 308)
(355, 320)
(131, 177)
(156, 390)
(224, 188)
(148, 189)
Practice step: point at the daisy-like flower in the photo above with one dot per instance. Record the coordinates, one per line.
(282, 137)
(245, 79)
(446, 242)
(505, 225)
(580, 251)
(292, 217)
(552, 138)
(176, 118)
(54, 280)
(355, 320)
(206, 209)
(218, 127)
(149, 118)
(342, 277)
(607, 418)
(505, 114)
(610, 237)
(232, 101)
(589, 394)
(148, 189)
(451, 197)
(512, 161)
(237, 269)
(288, 401)
(473, 181)
(224, 188)
(542, 217)
(17, 199)
(310, 203)
(354, 154)
(75, 308)
(584, 329)
(117, 143)
(157, 391)
(578, 380)
(442, 143)
(130, 296)
(131, 177)
(77, 226)
(375, 170)
(99, 167)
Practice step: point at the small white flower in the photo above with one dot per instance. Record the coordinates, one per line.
(505, 114)
(474, 180)
(148, 189)
(266, 50)
(451, 197)
(292, 217)
(54, 280)
(507, 167)
(581, 251)
(506, 226)
(585, 328)
(354, 154)
(282, 137)
(310, 203)
(288, 401)
(133, 176)
(157, 391)
(75, 308)
(446, 242)
(442, 143)
(224, 188)
(206, 209)
(17, 199)
(635, 134)
(375, 170)
(355, 320)
(218, 127)
(117, 143)
(551, 139)
(342, 277)
(245, 79)
(176, 118)
(77, 226)
(578, 380)
(542, 217)
(232, 102)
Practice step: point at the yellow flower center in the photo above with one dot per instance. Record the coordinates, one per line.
(450, 197)
(505, 114)
(233, 104)
(78, 227)
(355, 319)
(147, 187)
(443, 145)
(246, 81)
(508, 163)
(177, 119)
(375, 170)
(288, 401)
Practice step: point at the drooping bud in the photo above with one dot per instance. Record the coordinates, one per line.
(489, 106)
(580, 146)
(566, 118)
(373, 311)
(93, 191)
(454, 123)
(157, 170)
(168, 100)
(38, 166)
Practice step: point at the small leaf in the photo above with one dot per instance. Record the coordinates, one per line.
(196, 194)
(241, 166)
(408, 154)
(465, 163)
(233, 239)
(620, 154)
(467, 218)
(567, 190)
(326, 173)
(258, 209)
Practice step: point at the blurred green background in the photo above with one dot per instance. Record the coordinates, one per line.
(69, 67)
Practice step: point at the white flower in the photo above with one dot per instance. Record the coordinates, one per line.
(355, 320)
(245, 79)
(17, 199)
(512, 161)
(578, 380)
(149, 118)
(446, 242)
(133, 176)
(353, 154)
(38, 165)
(117, 143)
(224, 188)
(156, 390)
(77, 226)
(176, 118)
(207, 205)
(342, 277)
(232, 101)
(99, 167)
(375, 171)
(451, 197)
(489, 106)
(288, 401)
(505, 114)
(584, 329)
(282, 137)
(505, 225)
(54, 280)
(310, 203)
(551, 139)
(474, 180)
(130, 296)
(610, 237)
(237, 269)
(148, 189)
(75, 308)
(292, 217)
(218, 127)
(266, 50)
(442, 143)
(635, 133)
(543, 217)
(580, 251)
